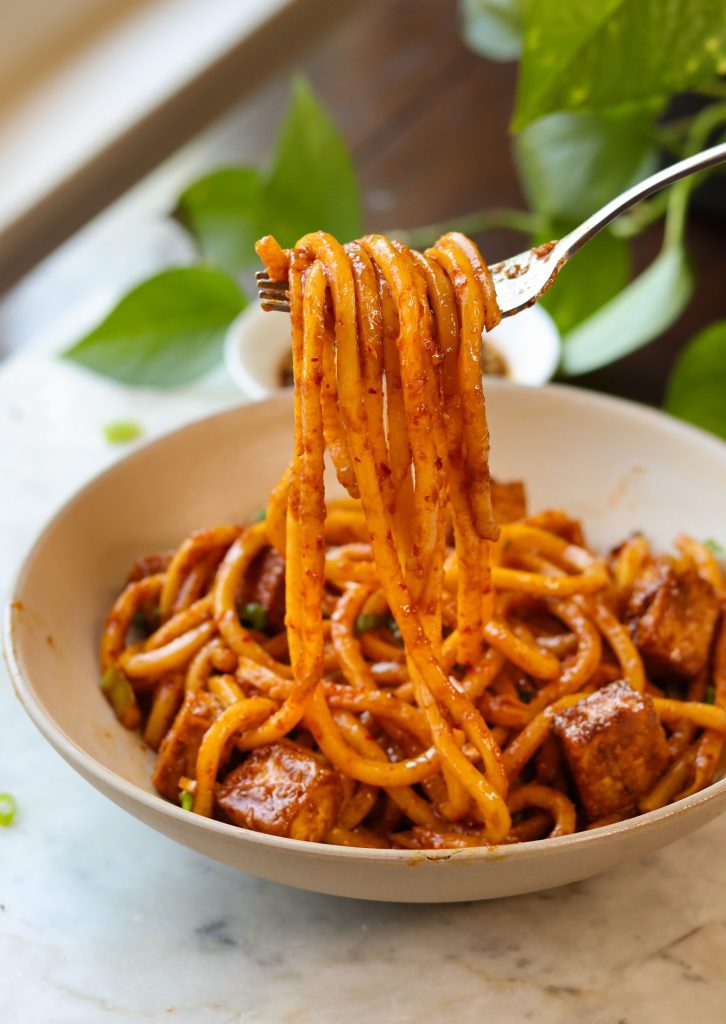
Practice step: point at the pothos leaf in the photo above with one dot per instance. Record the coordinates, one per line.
(166, 331)
(310, 186)
(697, 386)
(572, 164)
(582, 55)
(493, 28)
(637, 315)
(222, 211)
(593, 277)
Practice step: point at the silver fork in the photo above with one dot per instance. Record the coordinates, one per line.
(524, 278)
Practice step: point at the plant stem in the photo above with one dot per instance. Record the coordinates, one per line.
(641, 216)
(525, 222)
(703, 125)
(716, 89)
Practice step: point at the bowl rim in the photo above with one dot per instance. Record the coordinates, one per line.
(88, 766)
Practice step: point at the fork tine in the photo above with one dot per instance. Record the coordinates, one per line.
(275, 305)
(263, 278)
(275, 294)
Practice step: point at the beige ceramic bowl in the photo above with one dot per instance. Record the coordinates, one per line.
(618, 466)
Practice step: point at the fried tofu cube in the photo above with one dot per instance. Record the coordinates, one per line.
(615, 747)
(509, 501)
(270, 588)
(149, 565)
(672, 616)
(282, 790)
(264, 584)
(179, 748)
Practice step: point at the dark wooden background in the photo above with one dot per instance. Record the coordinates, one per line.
(427, 122)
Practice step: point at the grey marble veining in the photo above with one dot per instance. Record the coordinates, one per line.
(104, 921)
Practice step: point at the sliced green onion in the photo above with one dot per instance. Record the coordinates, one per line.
(144, 623)
(253, 615)
(8, 809)
(393, 626)
(186, 800)
(119, 692)
(370, 621)
(261, 516)
(120, 431)
(709, 696)
(714, 547)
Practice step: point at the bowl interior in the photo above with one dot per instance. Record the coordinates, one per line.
(617, 466)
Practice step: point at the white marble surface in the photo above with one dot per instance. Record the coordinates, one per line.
(103, 921)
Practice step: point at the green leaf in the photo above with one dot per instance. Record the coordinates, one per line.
(493, 28)
(697, 386)
(572, 164)
(312, 184)
(714, 547)
(222, 212)
(165, 332)
(583, 55)
(642, 311)
(593, 277)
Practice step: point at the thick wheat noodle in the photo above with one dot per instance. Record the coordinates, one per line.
(180, 623)
(584, 663)
(477, 310)
(523, 747)
(420, 402)
(553, 801)
(192, 551)
(236, 718)
(371, 328)
(672, 782)
(200, 667)
(711, 743)
(305, 523)
(196, 581)
(224, 593)
(165, 703)
(335, 438)
(629, 562)
(346, 644)
(377, 773)
(385, 554)
(619, 639)
(439, 730)
(706, 716)
(412, 805)
(358, 808)
(151, 665)
(399, 448)
(704, 560)
(118, 622)
(378, 649)
(276, 512)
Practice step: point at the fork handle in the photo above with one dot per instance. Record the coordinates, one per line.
(698, 162)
